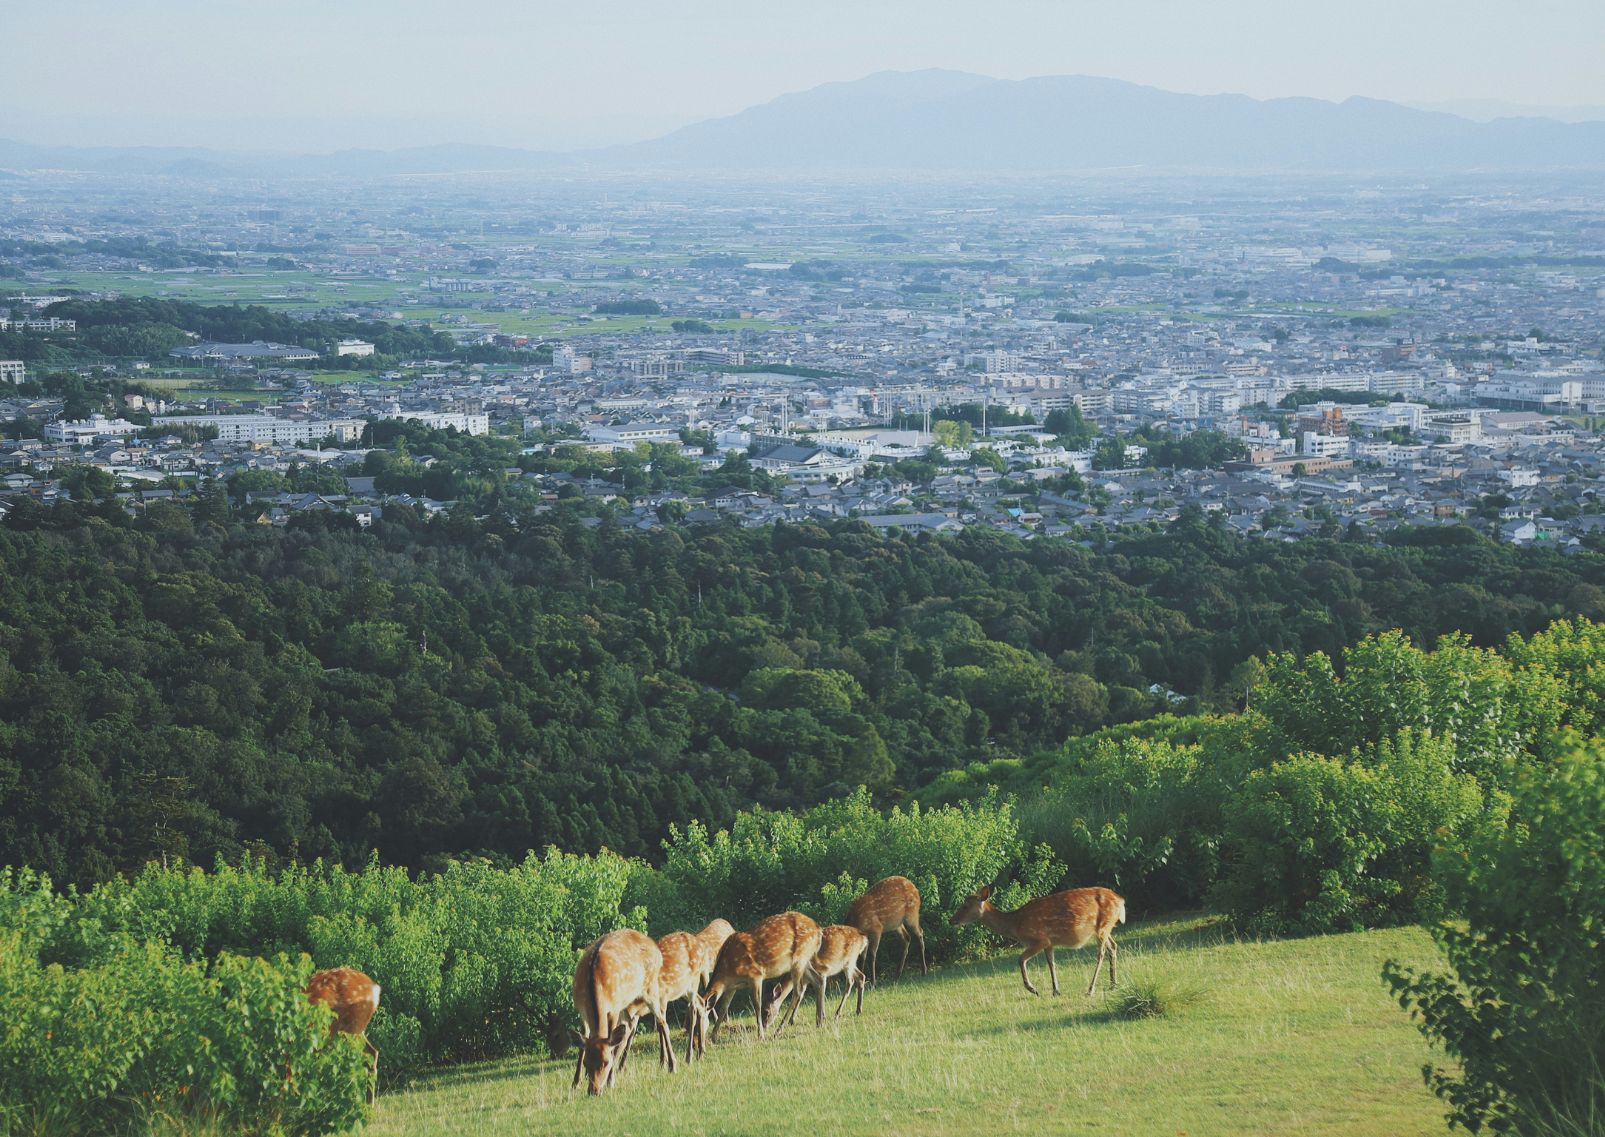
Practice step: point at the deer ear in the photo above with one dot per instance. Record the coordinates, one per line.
(618, 1034)
(576, 1037)
(985, 893)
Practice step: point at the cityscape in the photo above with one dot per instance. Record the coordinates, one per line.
(1376, 355)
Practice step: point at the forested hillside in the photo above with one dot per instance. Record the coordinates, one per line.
(189, 685)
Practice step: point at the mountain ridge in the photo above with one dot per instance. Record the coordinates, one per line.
(942, 120)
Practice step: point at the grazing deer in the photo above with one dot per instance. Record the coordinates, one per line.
(1071, 919)
(892, 905)
(353, 998)
(713, 937)
(687, 963)
(840, 948)
(776, 946)
(617, 981)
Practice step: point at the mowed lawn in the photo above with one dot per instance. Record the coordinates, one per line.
(1287, 1037)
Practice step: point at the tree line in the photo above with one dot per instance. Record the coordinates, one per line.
(186, 683)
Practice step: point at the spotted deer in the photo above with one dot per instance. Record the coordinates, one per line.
(617, 981)
(892, 905)
(1072, 919)
(782, 945)
(687, 963)
(353, 998)
(713, 937)
(840, 948)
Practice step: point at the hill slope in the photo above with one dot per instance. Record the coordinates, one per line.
(1295, 1036)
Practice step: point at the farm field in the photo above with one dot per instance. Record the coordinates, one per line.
(1286, 1037)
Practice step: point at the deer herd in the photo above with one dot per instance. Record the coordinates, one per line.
(625, 975)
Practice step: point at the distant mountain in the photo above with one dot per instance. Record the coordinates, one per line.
(954, 121)
(951, 120)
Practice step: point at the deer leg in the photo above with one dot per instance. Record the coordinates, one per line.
(874, 956)
(1024, 977)
(860, 981)
(1113, 953)
(819, 996)
(1097, 967)
(1053, 971)
(802, 993)
(722, 1012)
(902, 963)
(757, 1001)
(914, 922)
(797, 993)
(629, 1041)
(665, 1044)
(373, 1063)
(852, 981)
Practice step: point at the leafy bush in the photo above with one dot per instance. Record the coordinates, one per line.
(1316, 843)
(1522, 1008)
(1135, 815)
(143, 1034)
(474, 961)
(819, 861)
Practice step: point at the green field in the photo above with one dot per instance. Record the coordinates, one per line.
(1287, 1037)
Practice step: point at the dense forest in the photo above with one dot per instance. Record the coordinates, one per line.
(188, 685)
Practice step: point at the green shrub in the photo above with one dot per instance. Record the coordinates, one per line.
(473, 961)
(1522, 1008)
(143, 1034)
(818, 862)
(1319, 844)
(1139, 816)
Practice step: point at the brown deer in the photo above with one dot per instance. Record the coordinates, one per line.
(892, 905)
(353, 998)
(773, 947)
(1072, 919)
(713, 937)
(617, 981)
(687, 963)
(840, 948)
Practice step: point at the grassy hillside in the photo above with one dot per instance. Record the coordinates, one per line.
(1294, 1036)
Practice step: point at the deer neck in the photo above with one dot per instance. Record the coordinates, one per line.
(1004, 923)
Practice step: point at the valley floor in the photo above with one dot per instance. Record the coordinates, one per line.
(1287, 1037)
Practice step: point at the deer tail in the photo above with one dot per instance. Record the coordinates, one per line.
(1120, 909)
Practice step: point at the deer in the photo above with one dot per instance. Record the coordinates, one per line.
(687, 963)
(1072, 919)
(782, 945)
(891, 905)
(353, 997)
(713, 937)
(840, 948)
(617, 981)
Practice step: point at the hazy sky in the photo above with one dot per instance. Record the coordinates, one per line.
(325, 74)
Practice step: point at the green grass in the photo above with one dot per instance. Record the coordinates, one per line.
(1287, 1037)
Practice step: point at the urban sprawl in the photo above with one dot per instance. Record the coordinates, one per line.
(1043, 359)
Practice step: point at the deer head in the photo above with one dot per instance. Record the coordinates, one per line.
(974, 904)
(597, 1055)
